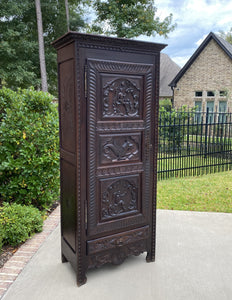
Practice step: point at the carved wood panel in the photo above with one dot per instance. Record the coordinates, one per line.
(121, 98)
(119, 148)
(67, 106)
(117, 240)
(116, 256)
(119, 196)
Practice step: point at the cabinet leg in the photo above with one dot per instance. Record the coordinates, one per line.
(81, 280)
(150, 257)
(63, 258)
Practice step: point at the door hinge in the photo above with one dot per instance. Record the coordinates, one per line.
(86, 83)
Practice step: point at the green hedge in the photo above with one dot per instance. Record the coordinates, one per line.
(29, 144)
(18, 223)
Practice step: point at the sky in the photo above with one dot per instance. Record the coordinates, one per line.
(195, 19)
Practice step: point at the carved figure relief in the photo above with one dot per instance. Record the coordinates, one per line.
(120, 148)
(121, 99)
(119, 197)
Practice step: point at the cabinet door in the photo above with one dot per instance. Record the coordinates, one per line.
(120, 130)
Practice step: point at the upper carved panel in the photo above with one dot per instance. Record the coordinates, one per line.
(120, 99)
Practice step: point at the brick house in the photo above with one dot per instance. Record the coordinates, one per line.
(206, 79)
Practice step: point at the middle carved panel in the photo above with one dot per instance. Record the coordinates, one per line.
(120, 148)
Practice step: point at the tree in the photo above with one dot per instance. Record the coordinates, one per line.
(19, 40)
(226, 35)
(67, 13)
(129, 18)
(18, 46)
(41, 47)
(19, 35)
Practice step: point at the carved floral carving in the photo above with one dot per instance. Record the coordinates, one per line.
(121, 99)
(120, 148)
(120, 197)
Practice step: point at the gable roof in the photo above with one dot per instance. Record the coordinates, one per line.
(168, 70)
(227, 47)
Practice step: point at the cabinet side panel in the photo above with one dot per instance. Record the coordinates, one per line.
(68, 203)
(67, 105)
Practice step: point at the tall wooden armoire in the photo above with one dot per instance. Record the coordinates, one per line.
(108, 108)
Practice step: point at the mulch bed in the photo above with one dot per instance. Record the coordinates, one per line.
(8, 251)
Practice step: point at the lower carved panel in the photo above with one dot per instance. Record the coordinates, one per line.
(119, 196)
(117, 256)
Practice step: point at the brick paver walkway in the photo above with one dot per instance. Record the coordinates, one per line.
(12, 268)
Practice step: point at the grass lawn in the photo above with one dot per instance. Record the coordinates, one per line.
(212, 192)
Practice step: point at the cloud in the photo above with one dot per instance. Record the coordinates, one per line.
(195, 20)
(180, 60)
(201, 40)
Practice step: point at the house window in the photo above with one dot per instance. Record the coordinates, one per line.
(222, 93)
(198, 94)
(210, 110)
(210, 93)
(198, 105)
(222, 111)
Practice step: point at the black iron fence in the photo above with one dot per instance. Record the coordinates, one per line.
(194, 143)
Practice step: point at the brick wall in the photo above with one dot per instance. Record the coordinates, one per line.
(211, 71)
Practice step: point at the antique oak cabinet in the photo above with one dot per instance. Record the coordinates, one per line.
(108, 106)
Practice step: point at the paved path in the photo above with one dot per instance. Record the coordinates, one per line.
(193, 261)
(13, 267)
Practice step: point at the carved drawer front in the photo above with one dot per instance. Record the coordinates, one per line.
(117, 241)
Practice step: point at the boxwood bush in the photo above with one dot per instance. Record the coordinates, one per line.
(18, 223)
(29, 142)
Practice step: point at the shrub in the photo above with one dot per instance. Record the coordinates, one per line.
(29, 142)
(172, 126)
(166, 104)
(6, 98)
(19, 222)
(1, 235)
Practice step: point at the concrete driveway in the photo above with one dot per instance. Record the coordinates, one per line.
(193, 261)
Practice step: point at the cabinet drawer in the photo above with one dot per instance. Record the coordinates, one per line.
(117, 240)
